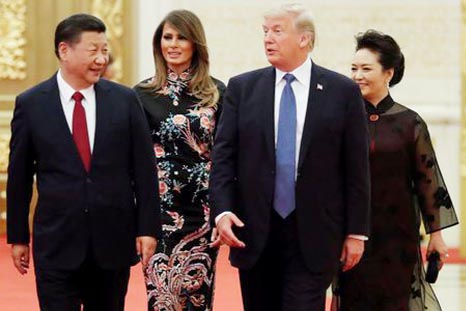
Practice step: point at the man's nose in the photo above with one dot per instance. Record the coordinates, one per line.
(268, 37)
(101, 59)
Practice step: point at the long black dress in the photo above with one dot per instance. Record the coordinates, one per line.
(406, 186)
(180, 275)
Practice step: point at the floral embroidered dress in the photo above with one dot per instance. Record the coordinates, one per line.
(406, 186)
(180, 275)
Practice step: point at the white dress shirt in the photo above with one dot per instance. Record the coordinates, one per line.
(88, 102)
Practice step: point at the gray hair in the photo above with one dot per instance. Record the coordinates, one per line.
(302, 17)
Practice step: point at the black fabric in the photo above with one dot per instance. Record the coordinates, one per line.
(89, 286)
(280, 280)
(406, 186)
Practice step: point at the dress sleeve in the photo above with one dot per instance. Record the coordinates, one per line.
(432, 194)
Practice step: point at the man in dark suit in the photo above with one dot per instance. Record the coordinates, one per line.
(290, 182)
(88, 145)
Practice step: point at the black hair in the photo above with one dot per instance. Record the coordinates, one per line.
(389, 52)
(70, 29)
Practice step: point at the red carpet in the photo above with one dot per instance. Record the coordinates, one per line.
(17, 292)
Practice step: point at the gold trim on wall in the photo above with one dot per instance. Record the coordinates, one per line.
(4, 151)
(12, 39)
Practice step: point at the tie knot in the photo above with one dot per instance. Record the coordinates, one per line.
(77, 96)
(289, 78)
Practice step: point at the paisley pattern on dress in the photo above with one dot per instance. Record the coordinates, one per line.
(176, 281)
(181, 273)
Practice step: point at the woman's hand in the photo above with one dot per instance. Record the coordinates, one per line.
(437, 244)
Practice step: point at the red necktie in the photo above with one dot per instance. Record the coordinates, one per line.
(80, 136)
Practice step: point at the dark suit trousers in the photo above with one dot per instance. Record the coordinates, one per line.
(279, 281)
(90, 286)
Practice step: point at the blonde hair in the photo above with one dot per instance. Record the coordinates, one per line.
(201, 84)
(303, 19)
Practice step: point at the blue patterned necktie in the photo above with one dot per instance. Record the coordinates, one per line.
(284, 198)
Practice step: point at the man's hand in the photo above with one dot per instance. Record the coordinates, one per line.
(20, 256)
(145, 247)
(215, 238)
(224, 233)
(351, 253)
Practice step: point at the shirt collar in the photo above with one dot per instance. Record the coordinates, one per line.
(67, 91)
(302, 73)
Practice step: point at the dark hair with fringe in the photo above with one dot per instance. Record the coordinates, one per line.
(70, 29)
(388, 50)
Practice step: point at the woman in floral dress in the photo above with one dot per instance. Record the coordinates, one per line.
(407, 186)
(182, 105)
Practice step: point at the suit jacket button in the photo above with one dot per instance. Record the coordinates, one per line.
(86, 210)
(88, 180)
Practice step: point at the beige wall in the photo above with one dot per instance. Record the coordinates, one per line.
(427, 31)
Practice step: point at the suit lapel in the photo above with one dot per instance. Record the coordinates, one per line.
(103, 112)
(317, 89)
(53, 110)
(266, 88)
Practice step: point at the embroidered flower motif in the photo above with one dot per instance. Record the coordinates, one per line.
(163, 188)
(179, 119)
(172, 75)
(161, 173)
(185, 75)
(158, 150)
(176, 85)
(177, 186)
(205, 123)
(178, 221)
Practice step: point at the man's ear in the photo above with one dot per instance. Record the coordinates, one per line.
(305, 39)
(63, 49)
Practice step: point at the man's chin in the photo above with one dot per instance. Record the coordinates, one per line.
(93, 79)
(272, 59)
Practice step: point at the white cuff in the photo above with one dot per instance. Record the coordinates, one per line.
(358, 237)
(220, 216)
